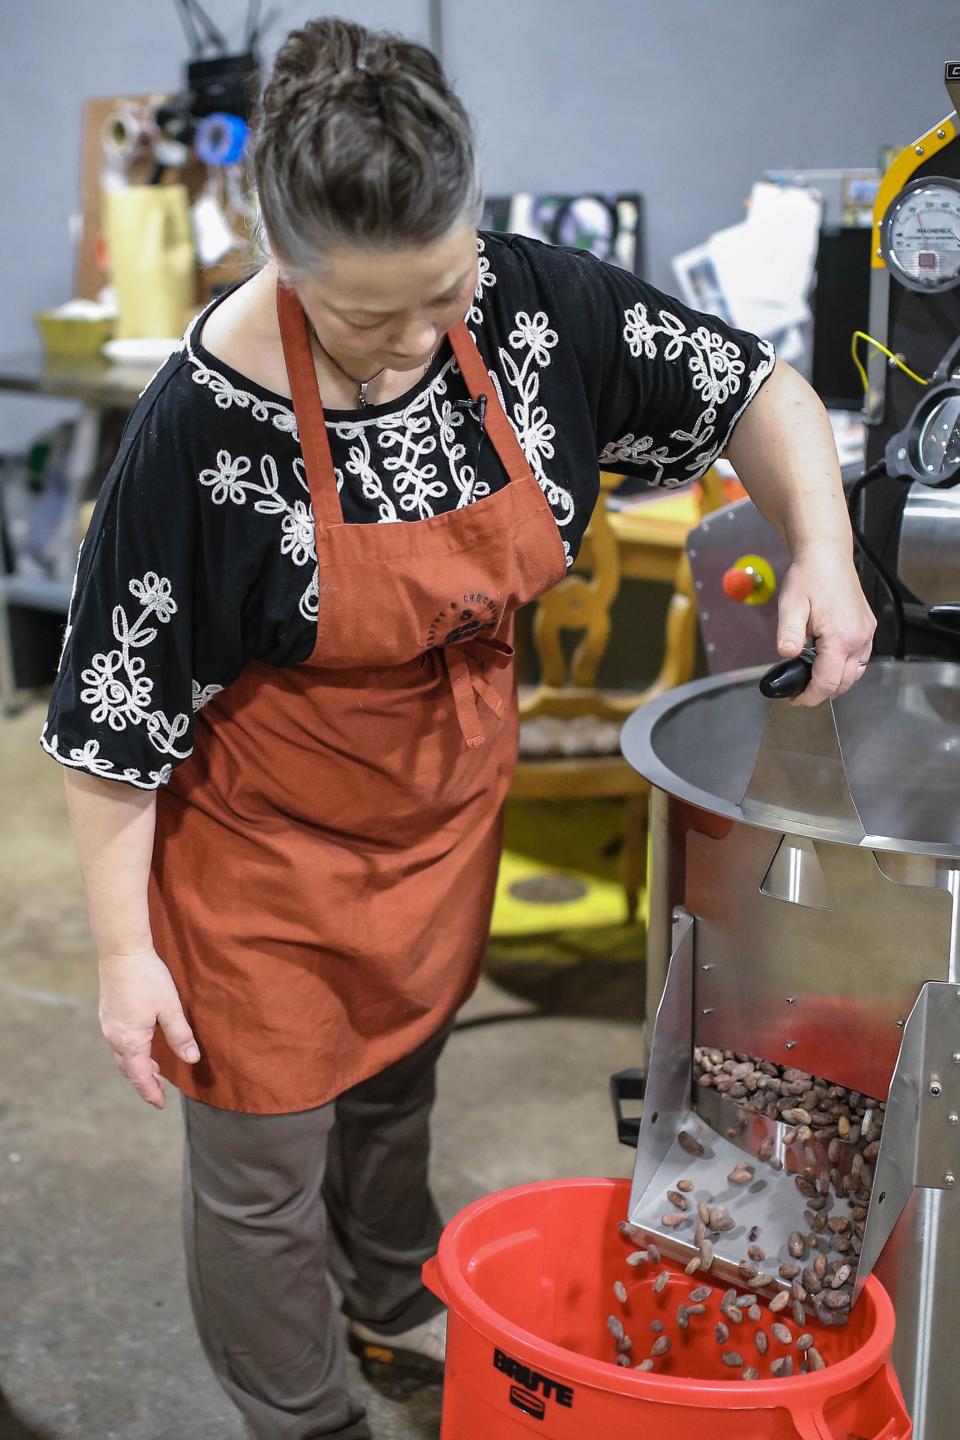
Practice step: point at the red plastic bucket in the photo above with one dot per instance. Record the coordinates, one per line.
(527, 1275)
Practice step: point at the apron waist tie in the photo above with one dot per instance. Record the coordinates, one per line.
(467, 682)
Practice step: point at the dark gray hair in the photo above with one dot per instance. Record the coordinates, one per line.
(359, 141)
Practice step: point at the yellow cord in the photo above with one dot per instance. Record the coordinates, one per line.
(862, 335)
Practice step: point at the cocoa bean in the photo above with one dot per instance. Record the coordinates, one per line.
(688, 1143)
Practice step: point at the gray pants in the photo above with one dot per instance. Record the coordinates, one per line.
(270, 1203)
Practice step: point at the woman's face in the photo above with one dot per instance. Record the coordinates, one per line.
(391, 308)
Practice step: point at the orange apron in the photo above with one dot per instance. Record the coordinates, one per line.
(324, 863)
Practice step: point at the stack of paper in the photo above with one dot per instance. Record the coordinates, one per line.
(757, 275)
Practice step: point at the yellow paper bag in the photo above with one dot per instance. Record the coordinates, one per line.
(152, 259)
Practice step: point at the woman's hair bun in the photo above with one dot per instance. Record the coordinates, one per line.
(359, 139)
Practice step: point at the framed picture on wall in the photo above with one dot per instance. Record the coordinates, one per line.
(606, 225)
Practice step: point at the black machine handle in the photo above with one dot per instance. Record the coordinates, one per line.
(788, 678)
(627, 1085)
(946, 615)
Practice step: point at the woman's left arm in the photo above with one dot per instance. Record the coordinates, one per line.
(784, 454)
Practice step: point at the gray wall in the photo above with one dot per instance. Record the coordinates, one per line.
(685, 100)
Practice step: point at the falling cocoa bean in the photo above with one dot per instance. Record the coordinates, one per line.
(688, 1143)
(762, 1341)
(638, 1257)
(815, 1360)
(733, 1358)
(783, 1367)
(661, 1345)
(804, 1342)
(646, 1365)
(780, 1301)
(685, 1186)
(722, 1332)
(672, 1220)
(741, 1175)
(700, 1293)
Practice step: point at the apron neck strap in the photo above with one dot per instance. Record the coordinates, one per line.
(308, 409)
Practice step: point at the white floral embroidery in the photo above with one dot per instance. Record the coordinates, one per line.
(716, 368)
(485, 281)
(118, 692)
(88, 757)
(226, 481)
(529, 419)
(204, 696)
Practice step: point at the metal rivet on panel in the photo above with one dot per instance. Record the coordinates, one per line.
(941, 134)
(919, 149)
(935, 1088)
(949, 1180)
(953, 1118)
(790, 1045)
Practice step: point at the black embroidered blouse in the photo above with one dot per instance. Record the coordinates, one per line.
(200, 556)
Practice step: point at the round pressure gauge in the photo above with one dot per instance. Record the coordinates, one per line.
(920, 235)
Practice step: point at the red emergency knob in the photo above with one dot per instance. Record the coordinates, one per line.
(750, 581)
(740, 585)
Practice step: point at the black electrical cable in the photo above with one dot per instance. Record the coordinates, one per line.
(877, 472)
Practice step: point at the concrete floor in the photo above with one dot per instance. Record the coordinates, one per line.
(96, 1338)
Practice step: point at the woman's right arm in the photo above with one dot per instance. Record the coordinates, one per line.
(113, 831)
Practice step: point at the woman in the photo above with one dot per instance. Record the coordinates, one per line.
(290, 641)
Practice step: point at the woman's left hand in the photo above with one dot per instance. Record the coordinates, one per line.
(821, 597)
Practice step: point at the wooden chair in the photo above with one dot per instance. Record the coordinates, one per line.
(570, 729)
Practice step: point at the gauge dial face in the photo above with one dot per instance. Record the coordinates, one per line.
(921, 235)
(938, 443)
